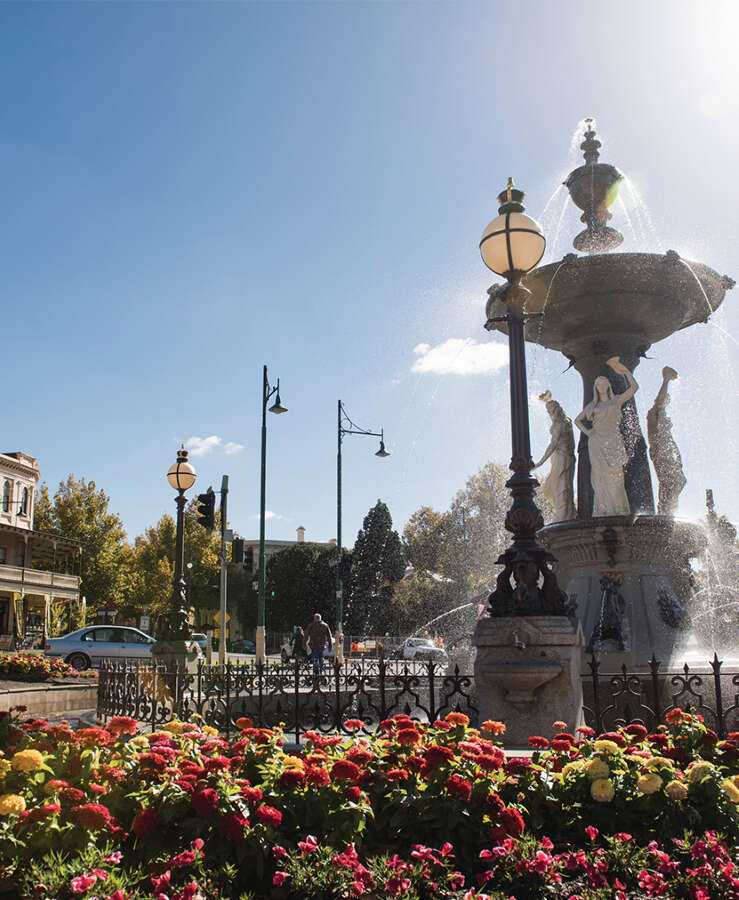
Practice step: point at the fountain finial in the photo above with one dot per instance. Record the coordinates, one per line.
(593, 188)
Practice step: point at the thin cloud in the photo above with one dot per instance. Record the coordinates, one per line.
(199, 446)
(459, 357)
(268, 514)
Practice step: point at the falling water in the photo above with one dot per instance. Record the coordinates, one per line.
(649, 236)
(442, 616)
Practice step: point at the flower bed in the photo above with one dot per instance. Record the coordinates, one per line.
(32, 667)
(416, 812)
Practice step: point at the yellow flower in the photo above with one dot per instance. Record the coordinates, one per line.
(699, 770)
(27, 761)
(173, 727)
(292, 762)
(207, 729)
(607, 747)
(11, 805)
(648, 784)
(140, 741)
(676, 790)
(602, 790)
(658, 762)
(596, 768)
(572, 768)
(4, 767)
(734, 778)
(730, 789)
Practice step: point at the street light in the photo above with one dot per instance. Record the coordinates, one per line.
(277, 408)
(181, 476)
(346, 426)
(512, 245)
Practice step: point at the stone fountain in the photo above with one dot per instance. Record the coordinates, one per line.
(625, 563)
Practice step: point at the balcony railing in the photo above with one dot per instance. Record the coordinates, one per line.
(13, 577)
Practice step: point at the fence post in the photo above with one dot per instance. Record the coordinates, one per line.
(296, 665)
(432, 705)
(594, 664)
(383, 707)
(716, 666)
(228, 698)
(656, 705)
(337, 677)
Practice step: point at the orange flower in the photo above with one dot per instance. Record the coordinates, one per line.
(559, 726)
(493, 727)
(457, 718)
(244, 722)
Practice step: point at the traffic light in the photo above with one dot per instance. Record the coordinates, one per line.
(237, 550)
(207, 509)
(249, 559)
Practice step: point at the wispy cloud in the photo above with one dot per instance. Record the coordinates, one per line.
(459, 357)
(268, 514)
(202, 446)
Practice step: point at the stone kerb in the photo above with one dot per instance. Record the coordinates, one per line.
(527, 674)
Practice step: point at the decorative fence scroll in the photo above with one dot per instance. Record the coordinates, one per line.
(291, 695)
(622, 698)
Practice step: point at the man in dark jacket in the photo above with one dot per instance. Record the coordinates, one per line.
(318, 635)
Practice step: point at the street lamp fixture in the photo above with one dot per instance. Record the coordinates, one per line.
(267, 392)
(181, 477)
(512, 245)
(346, 426)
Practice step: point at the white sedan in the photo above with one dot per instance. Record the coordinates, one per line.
(88, 646)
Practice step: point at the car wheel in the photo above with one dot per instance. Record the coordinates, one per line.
(78, 661)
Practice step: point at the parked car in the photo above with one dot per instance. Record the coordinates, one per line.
(243, 645)
(88, 646)
(421, 648)
(286, 651)
(201, 640)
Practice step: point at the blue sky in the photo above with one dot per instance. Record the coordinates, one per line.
(192, 190)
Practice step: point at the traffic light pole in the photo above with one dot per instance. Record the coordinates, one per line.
(224, 573)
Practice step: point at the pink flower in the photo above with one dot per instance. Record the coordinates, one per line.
(114, 858)
(81, 883)
(184, 859)
(279, 852)
(309, 845)
(279, 878)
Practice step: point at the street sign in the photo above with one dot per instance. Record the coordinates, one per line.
(217, 617)
(145, 623)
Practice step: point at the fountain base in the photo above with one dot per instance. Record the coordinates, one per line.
(527, 674)
(631, 580)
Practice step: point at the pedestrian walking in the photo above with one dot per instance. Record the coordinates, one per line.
(298, 643)
(318, 635)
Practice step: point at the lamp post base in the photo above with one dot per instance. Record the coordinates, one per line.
(261, 655)
(339, 648)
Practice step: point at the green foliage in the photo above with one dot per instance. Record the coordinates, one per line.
(79, 510)
(378, 564)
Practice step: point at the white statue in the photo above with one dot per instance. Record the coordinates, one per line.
(605, 443)
(557, 486)
(663, 450)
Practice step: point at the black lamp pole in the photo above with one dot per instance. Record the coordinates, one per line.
(181, 476)
(518, 588)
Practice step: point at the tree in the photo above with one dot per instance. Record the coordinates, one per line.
(151, 567)
(303, 579)
(79, 510)
(378, 564)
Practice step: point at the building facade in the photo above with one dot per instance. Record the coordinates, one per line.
(38, 584)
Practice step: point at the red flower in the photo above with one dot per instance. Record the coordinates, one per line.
(459, 787)
(122, 725)
(585, 731)
(73, 795)
(204, 801)
(360, 755)
(709, 738)
(638, 732)
(82, 883)
(408, 737)
(614, 736)
(145, 822)
(345, 770)
(41, 812)
(268, 815)
(512, 821)
(92, 816)
(494, 806)
(353, 724)
(517, 764)
(292, 778)
(660, 740)
(353, 793)
(317, 775)
(564, 736)
(414, 763)
(437, 755)
(397, 775)
(538, 743)
(559, 746)
(232, 827)
(457, 718)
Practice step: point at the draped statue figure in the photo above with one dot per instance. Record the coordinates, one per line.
(605, 444)
(557, 486)
(663, 450)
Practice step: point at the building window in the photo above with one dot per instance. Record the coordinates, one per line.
(23, 511)
(22, 555)
(6, 496)
(2, 556)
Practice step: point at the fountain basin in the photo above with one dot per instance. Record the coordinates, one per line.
(520, 678)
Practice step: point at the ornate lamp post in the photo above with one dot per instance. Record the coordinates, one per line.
(346, 426)
(511, 246)
(277, 407)
(182, 477)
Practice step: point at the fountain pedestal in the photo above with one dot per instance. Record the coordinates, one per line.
(647, 561)
(527, 674)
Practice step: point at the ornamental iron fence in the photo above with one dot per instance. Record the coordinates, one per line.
(371, 690)
(290, 695)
